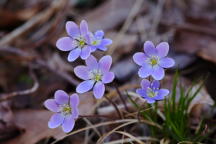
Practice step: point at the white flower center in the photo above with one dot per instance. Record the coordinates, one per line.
(151, 93)
(154, 60)
(65, 109)
(80, 42)
(96, 75)
(95, 42)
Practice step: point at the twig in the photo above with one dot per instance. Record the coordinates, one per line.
(134, 10)
(130, 136)
(16, 51)
(4, 97)
(52, 29)
(40, 62)
(128, 140)
(191, 27)
(115, 106)
(96, 116)
(113, 93)
(101, 139)
(89, 123)
(138, 114)
(95, 126)
(157, 18)
(58, 72)
(40, 18)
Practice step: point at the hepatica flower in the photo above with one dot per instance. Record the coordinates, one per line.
(95, 75)
(98, 41)
(65, 108)
(76, 41)
(153, 60)
(151, 91)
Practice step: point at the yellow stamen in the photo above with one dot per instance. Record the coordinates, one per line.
(81, 43)
(151, 93)
(97, 77)
(66, 109)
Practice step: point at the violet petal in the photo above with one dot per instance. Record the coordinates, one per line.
(82, 72)
(91, 62)
(61, 97)
(155, 84)
(145, 71)
(68, 124)
(65, 44)
(85, 53)
(55, 120)
(108, 77)
(139, 58)
(72, 29)
(149, 48)
(158, 73)
(163, 49)
(75, 113)
(99, 90)
(145, 84)
(163, 92)
(141, 92)
(106, 42)
(74, 100)
(103, 48)
(105, 63)
(166, 62)
(85, 86)
(99, 34)
(51, 105)
(74, 54)
(83, 28)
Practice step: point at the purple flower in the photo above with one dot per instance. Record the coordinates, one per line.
(65, 108)
(76, 41)
(154, 60)
(95, 74)
(151, 92)
(97, 41)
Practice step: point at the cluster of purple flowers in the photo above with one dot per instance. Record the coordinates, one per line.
(152, 62)
(80, 42)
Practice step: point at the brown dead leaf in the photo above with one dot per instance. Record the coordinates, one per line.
(34, 123)
(197, 36)
(209, 51)
(86, 102)
(109, 15)
(10, 17)
(8, 128)
(125, 46)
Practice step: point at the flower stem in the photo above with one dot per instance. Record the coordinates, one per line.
(115, 106)
(122, 99)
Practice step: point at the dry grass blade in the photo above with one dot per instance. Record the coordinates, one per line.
(130, 136)
(4, 97)
(125, 124)
(112, 131)
(129, 140)
(135, 9)
(95, 126)
(114, 93)
(135, 113)
(40, 18)
(89, 123)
